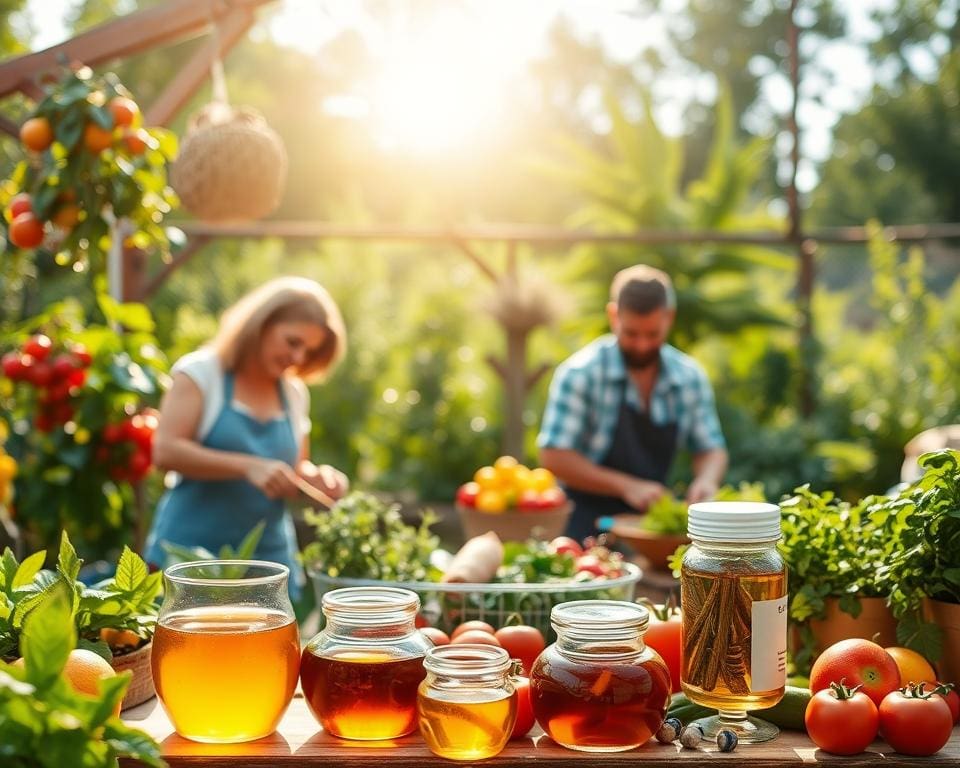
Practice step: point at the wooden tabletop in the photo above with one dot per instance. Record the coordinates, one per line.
(300, 742)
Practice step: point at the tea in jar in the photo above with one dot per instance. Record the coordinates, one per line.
(599, 688)
(467, 704)
(734, 633)
(361, 672)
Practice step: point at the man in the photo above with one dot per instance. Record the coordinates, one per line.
(621, 407)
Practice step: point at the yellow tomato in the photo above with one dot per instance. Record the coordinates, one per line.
(505, 466)
(487, 478)
(8, 469)
(541, 479)
(491, 500)
(521, 478)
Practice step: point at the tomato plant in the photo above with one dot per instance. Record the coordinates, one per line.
(842, 720)
(915, 721)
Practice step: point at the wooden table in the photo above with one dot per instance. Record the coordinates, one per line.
(300, 742)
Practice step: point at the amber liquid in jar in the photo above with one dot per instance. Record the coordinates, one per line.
(717, 651)
(362, 694)
(225, 673)
(599, 706)
(471, 730)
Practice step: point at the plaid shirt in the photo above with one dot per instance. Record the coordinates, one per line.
(583, 406)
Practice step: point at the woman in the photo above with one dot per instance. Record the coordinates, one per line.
(235, 424)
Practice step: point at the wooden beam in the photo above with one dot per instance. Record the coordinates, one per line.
(125, 36)
(520, 233)
(182, 257)
(188, 81)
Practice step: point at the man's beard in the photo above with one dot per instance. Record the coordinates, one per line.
(637, 362)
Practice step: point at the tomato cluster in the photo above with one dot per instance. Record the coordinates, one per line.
(509, 485)
(523, 643)
(57, 374)
(592, 558)
(126, 447)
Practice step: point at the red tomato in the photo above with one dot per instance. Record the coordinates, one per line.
(82, 354)
(915, 725)
(437, 636)
(468, 625)
(77, 377)
(63, 366)
(420, 622)
(953, 701)
(13, 366)
(841, 721)
(467, 494)
(38, 347)
(525, 718)
(522, 642)
(41, 374)
(590, 564)
(113, 433)
(139, 464)
(664, 637)
(563, 544)
(43, 422)
(474, 636)
(859, 662)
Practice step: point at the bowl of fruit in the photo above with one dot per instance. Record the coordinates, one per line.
(513, 501)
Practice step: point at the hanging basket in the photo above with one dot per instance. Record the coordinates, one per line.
(232, 165)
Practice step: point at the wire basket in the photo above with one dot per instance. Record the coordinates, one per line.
(446, 605)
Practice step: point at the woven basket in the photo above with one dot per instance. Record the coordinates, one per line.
(515, 525)
(232, 166)
(141, 685)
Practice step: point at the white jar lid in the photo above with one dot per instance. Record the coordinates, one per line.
(745, 521)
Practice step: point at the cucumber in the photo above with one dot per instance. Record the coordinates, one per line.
(787, 714)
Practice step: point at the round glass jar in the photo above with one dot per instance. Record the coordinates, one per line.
(361, 672)
(599, 688)
(733, 590)
(467, 705)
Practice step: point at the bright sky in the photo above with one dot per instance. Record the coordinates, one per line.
(417, 105)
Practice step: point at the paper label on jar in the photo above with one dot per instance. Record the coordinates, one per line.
(768, 645)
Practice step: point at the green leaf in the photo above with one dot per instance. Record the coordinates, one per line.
(133, 743)
(923, 637)
(131, 571)
(49, 636)
(112, 690)
(17, 687)
(8, 568)
(68, 563)
(29, 568)
(102, 116)
(99, 647)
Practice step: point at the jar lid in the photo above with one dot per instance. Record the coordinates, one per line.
(739, 521)
(606, 614)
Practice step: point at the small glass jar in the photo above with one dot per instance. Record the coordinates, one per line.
(733, 590)
(361, 672)
(467, 704)
(599, 688)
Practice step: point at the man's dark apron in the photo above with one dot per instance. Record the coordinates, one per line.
(639, 448)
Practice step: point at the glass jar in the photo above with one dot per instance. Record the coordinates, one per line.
(733, 591)
(467, 704)
(226, 649)
(361, 672)
(599, 688)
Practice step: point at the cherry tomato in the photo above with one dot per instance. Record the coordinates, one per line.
(437, 636)
(41, 374)
(113, 433)
(12, 366)
(664, 637)
(38, 347)
(139, 464)
(590, 564)
(522, 642)
(525, 718)
(63, 366)
(915, 724)
(841, 720)
(563, 544)
(420, 621)
(468, 625)
(474, 636)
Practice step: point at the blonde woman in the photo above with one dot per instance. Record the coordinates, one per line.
(235, 424)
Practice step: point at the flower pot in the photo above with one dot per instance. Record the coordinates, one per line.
(141, 685)
(875, 620)
(947, 617)
(657, 548)
(515, 525)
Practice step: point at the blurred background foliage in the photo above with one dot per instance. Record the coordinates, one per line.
(416, 408)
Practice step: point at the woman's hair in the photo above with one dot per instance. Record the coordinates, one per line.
(282, 300)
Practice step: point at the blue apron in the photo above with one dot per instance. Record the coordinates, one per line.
(211, 513)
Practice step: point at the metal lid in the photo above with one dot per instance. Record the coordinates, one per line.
(608, 614)
(738, 521)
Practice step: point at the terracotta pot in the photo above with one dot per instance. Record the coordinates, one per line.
(515, 525)
(141, 685)
(947, 617)
(657, 548)
(875, 619)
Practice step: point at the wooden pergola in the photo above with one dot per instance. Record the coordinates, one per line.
(176, 20)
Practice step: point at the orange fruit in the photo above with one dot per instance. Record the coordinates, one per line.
(541, 479)
(136, 141)
(487, 478)
(96, 139)
(120, 638)
(26, 231)
(491, 500)
(8, 468)
(913, 667)
(67, 216)
(124, 110)
(36, 134)
(84, 670)
(20, 204)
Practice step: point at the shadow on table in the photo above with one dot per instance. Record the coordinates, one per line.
(272, 745)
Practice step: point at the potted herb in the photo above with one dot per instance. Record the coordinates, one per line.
(925, 572)
(833, 550)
